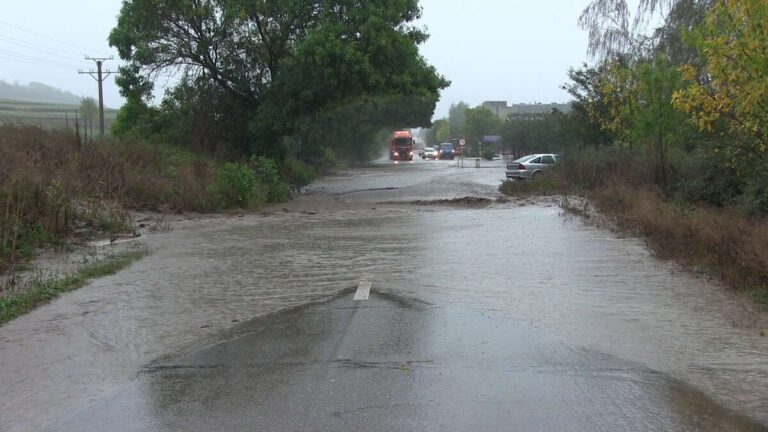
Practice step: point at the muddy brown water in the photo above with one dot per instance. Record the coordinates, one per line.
(557, 277)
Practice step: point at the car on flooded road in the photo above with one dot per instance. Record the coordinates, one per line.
(429, 153)
(531, 166)
(446, 151)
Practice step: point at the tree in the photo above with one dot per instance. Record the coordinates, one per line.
(442, 132)
(733, 86)
(439, 129)
(614, 30)
(728, 88)
(257, 72)
(480, 122)
(618, 87)
(457, 116)
(89, 110)
(588, 107)
(656, 123)
(370, 60)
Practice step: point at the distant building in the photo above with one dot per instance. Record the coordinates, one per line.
(504, 111)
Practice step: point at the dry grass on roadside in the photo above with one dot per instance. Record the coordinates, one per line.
(55, 188)
(725, 242)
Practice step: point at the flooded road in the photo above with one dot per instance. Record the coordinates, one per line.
(608, 325)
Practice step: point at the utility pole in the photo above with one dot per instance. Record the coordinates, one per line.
(99, 77)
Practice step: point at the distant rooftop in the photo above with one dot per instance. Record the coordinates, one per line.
(501, 109)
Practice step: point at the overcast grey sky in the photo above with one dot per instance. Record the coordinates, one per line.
(514, 50)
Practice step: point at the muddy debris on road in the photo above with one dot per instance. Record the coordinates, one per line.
(467, 201)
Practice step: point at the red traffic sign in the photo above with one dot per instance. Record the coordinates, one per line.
(462, 142)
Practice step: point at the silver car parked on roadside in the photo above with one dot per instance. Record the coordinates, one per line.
(528, 167)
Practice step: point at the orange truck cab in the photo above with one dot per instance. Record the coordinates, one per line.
(401, 146)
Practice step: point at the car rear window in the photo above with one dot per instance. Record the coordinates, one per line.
(524, 159)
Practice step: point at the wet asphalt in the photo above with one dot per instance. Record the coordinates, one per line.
(398, 364)
(483, 314)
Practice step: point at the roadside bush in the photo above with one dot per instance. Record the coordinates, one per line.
(489, 154)
(248, 185)
(704, 178)
(591, 168)
(268, 174)
(755, 199)
(546, 184)
(329, 160)
(298, 173)
(238, 186)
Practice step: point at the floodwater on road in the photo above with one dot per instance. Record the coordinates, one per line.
(553, 276)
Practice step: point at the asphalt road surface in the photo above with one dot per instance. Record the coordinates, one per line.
(378, 302)
(391, 364)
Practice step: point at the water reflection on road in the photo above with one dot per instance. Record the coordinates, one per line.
(554, 276)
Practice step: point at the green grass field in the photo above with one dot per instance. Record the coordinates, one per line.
(45, 115)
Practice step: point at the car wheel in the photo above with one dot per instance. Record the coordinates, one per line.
(535, 175)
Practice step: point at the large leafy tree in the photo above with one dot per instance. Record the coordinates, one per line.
(589, 109)
(734, 84)
(439, 132)
(656, 123)
(256, 71)
(618, 89)
(479, 122)
(237, 44)
(728, 89)
(366, 58)
(694, 86)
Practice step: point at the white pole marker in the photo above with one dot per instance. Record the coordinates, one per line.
(363, 288)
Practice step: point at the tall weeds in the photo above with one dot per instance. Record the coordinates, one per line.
(55, 188)
(726, 241)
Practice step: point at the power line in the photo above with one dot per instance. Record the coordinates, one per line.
(45, 37)
(34, 56)
(33, 47)
(32, 41)
(31, 58)
(3, 56)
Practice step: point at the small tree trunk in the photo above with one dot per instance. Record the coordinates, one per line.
(77, 131)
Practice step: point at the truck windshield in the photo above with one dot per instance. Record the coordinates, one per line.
(403, 141)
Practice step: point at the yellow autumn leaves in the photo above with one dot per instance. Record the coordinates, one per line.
(732, 84)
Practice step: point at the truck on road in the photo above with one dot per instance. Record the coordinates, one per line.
(401, 146)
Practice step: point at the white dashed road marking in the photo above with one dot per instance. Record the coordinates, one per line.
(363, 288)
